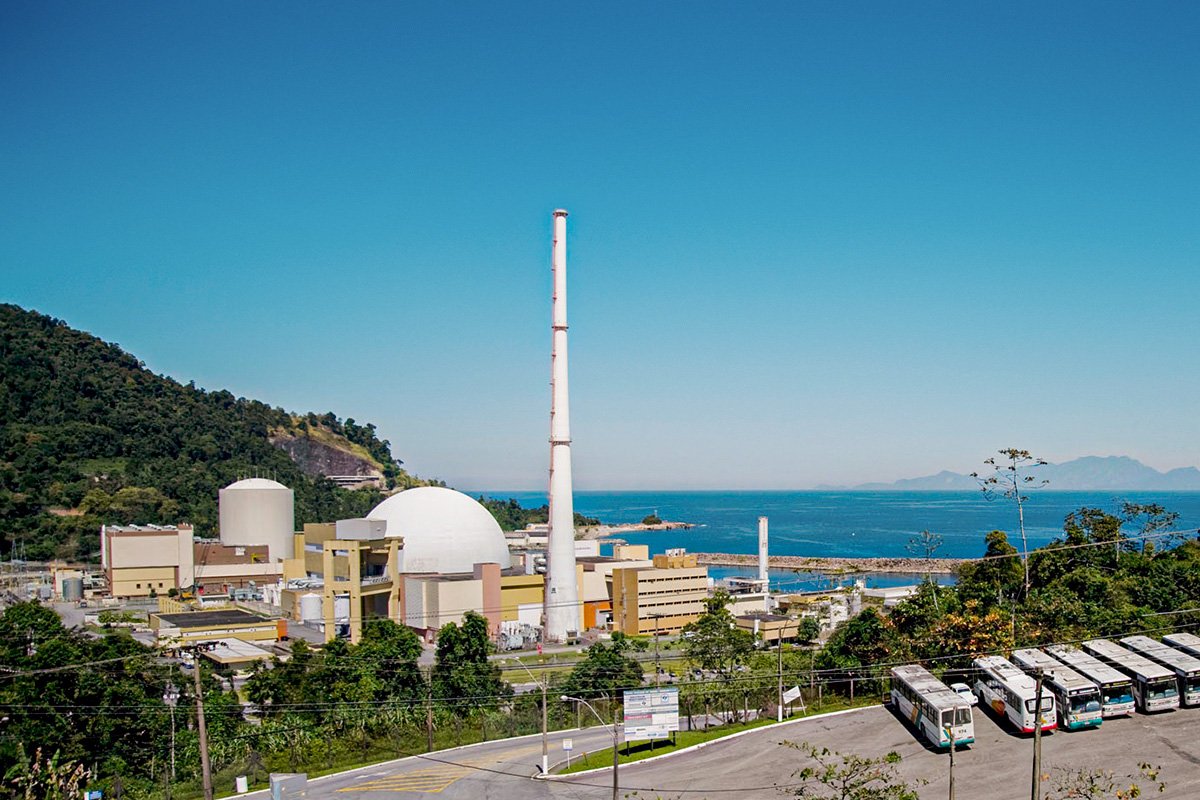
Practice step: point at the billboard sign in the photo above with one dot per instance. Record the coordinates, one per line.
(651, 713)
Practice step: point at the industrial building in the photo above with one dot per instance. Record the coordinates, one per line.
(144, 560)
(187, 627)
(661, 599)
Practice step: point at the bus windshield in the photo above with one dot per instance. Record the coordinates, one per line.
(1193, 683)
(1081, 703)
(1164, 688)
(1118, 694)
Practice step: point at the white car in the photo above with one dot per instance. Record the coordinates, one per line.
(965, 693)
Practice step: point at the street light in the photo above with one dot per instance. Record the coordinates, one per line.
(616, 748)
(171, 698)
(545, 745)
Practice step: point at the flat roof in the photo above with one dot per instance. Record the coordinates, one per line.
(235, 651)
(203, 619)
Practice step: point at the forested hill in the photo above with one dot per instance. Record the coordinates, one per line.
(88, 435)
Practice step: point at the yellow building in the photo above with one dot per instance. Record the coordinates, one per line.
(659, 599)
(141, 560)
(769, 627)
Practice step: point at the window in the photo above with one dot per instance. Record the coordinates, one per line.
(139, 586)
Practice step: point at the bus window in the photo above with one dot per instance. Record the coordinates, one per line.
(962, 716)
(1082, 703)
(1047, 704)
(1193, 684)
(947, 718)
(1163, 689)
(1117, 695)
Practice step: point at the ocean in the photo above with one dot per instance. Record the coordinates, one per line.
(848, 524)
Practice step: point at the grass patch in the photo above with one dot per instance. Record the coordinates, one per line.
(643, 750)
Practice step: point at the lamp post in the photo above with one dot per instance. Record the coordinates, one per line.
(171, 698)
(616, 745)
(545, 744)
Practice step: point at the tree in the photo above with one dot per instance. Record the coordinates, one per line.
(714, 642)
(462, 675)
(841, 776)
(606, 669)
(1008, 480)
(50, 778)
(1084, 783)
(1154, 524)
(923, 546)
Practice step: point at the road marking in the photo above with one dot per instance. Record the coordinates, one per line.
(435, 778)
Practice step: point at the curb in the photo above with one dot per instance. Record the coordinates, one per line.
(395, 761)
(710, 742)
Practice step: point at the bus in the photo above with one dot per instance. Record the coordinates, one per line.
(1154, 687)
(1013, 694)
(934, 709)
(1185, 667)
(1077, 698)
(1187, 642)
(1116, 690)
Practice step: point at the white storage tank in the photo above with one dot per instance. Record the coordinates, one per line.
(310, 607)
(258, 511)
(341, 608)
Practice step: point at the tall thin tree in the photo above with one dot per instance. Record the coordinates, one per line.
(1010, 479)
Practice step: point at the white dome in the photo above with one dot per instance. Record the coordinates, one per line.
(444, 530)
(255, 483)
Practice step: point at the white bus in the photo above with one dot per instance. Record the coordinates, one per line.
(934, 709)
(1154, 687)
(1077, 698)
(1116, 690)
(1185, 667)
(1187, 642)
(1011, 693)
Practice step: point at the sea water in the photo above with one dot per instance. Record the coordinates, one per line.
(849, 524)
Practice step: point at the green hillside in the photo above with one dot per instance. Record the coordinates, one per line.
(88, 435)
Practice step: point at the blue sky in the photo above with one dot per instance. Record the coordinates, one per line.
(809, 242)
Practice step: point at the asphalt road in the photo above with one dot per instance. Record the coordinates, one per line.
(756, 765)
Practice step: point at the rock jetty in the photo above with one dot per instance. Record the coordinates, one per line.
(913, 566)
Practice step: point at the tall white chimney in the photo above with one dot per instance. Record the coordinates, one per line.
(562, 593)
(763, 573)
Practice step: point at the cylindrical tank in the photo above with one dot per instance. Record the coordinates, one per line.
(257, 511)
(341, 608)
(72, 589)
(310, 607)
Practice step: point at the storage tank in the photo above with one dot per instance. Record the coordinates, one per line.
(72, 589)
(258, 511)
(341, 608)
(310, 607)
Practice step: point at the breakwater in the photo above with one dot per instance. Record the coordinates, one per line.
(914, 566)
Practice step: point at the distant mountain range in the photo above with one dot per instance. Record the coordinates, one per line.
(1090, 473)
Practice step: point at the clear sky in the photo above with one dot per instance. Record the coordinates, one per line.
(809, 242)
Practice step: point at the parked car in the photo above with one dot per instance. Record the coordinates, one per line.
(965, 693)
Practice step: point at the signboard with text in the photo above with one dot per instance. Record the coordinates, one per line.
(651, 713)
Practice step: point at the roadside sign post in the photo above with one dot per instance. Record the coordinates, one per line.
(567, 746)
(651, 714)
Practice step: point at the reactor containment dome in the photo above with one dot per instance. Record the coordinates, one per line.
(257, 511)
(444, 531)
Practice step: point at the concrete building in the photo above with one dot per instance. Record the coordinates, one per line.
(141, 560)
(187, 627)
(769, 628)
(659, 599)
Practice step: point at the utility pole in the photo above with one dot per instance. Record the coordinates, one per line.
(429, 713)
(953, 747)
(779, 711)
(545, 742)
(657, 669)
(205, 766)
(171, 698)
(1035, 791)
